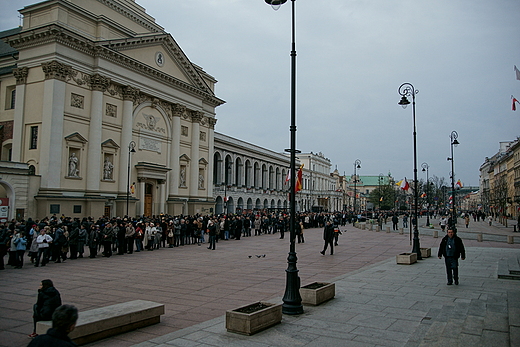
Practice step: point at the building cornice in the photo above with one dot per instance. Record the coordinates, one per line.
(56, 34)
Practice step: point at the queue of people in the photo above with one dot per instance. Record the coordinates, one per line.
(57, 239)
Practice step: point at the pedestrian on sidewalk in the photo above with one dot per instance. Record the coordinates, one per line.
(328, 236)
(466, 219)
(452, 249)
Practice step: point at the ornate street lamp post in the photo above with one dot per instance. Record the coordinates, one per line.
(425, 167)
(357, 165)
(292, 301)
(453, 142)
(380, 179)
(405, 90)
(131, 149)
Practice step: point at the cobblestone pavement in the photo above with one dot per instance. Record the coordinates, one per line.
(198, 285)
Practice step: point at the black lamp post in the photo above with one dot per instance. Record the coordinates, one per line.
(381, 179)
(454, 142)
(405, 90)
(131, 149)
(425, 167)
(292, 301)
(357, 165)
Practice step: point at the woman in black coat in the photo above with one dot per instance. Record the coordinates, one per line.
(49, 299)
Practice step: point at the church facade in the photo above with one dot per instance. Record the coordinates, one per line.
(102, 113)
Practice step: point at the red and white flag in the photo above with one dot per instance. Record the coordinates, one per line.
(515, 101)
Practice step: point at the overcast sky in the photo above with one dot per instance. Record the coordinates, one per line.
(352, 57)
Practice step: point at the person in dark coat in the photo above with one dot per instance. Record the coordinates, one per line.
(64, 321)
(212, 233)
(452, 249)
(49, 299)
(328, 236)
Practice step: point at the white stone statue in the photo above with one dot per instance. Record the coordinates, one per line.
(182, 177)
(201, 181)
(108, 169)
(73, 165)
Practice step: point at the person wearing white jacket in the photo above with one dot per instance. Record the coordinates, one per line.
(43, 240)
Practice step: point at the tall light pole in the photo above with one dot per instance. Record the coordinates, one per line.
(131, 149)
(380, 179)
(426, 167)
(405, 90)
(292, 301)
(357, 165)
(453, 142)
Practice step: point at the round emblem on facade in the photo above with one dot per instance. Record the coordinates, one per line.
(159, 59)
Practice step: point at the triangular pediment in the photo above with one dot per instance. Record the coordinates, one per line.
(75, 137)
(110, 143)
(162, 53)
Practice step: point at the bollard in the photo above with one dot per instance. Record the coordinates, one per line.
(371, 227)
(479, 237)
(387, 229)
(510, 239)
(363, 226)
(435, 233)
(378, 228)
(401, 232)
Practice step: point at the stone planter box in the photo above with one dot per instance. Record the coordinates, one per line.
(406, 258)
(317, 293)
(252, 318)
(426, 252)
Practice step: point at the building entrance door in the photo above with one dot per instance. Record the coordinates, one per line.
(148, 200)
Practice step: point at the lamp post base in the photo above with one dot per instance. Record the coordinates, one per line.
(292, 300)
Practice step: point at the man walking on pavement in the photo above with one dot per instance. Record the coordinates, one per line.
(452, 249)
(328, 236)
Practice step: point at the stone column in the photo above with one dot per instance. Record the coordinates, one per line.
(19, 113)
(196, 117)
(177, 111)
(141, 195)
(211, 150)
(52, 123)
(98, 85)
(162, 196)
(129, 95)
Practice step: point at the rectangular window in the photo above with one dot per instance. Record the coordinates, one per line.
(13, 98)
(10, 97)
(54, 208)
(34, 137)
(77, 208)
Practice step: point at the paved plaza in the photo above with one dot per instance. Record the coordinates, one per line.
(377, 303)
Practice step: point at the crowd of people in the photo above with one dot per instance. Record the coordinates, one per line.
(57, 239)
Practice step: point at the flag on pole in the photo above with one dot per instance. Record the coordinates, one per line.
(381, 199)
(288, 178)
(403, 184)
(517, 73)
(423, 195)
(459, 184)
(298, 184)
(132, 189)
(513, 107)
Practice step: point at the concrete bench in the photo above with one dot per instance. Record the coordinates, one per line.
(99, 323)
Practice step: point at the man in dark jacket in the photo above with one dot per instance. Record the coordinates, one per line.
(328, 236)
(48, 300)
(452, 249)
(64, 321)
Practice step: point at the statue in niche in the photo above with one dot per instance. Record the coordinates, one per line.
(108, 169)
(73, 165)
(182, 177)
(201, 181)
